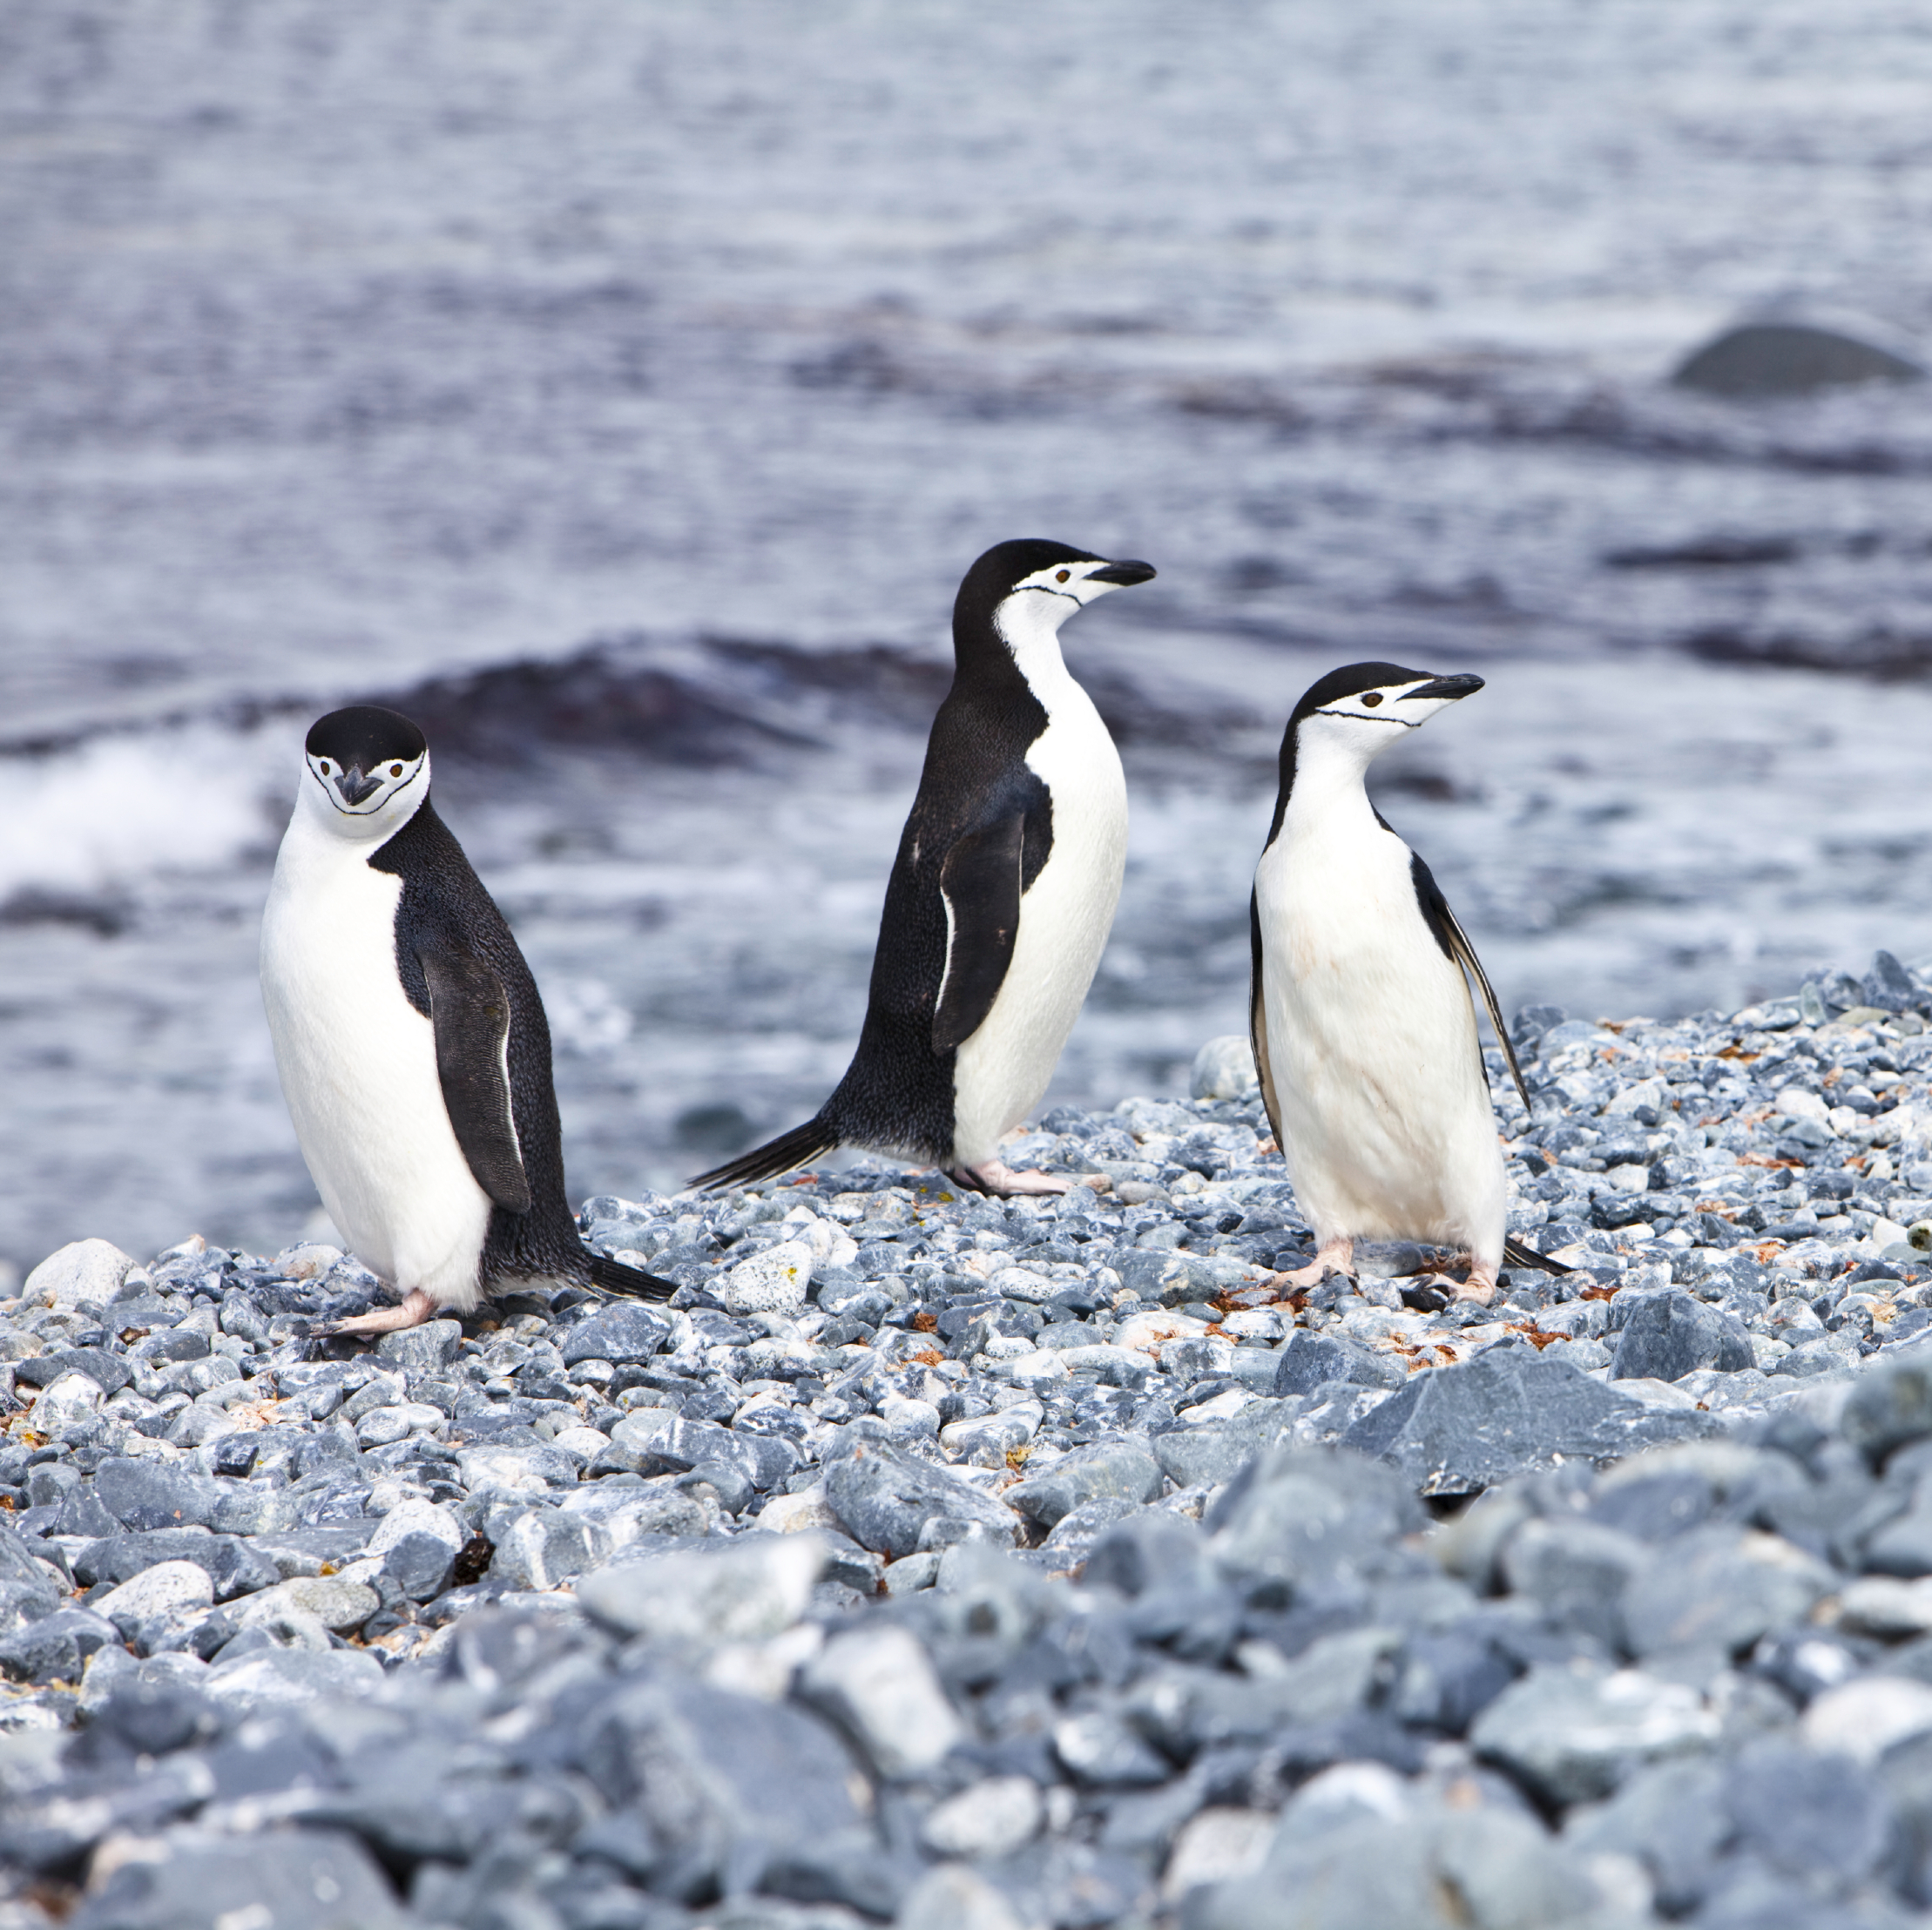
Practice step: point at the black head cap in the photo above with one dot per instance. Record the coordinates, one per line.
(994, 575)
(1351, 680)
(1007, 564)
(364, 735)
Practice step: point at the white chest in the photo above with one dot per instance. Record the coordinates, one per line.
(1004, 1070)
(358, 1070)
(1386, 1119)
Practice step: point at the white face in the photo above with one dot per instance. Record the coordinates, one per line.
(364, 806)
(1053, 594)
(1029, 617)
(1362, 726)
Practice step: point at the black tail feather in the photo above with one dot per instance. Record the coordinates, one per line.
(614, 1277)
(789, 1150)
(1515, 1254)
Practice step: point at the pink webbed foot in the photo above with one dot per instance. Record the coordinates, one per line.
(413, 1311)
(994, 1175)
(1336, 1256)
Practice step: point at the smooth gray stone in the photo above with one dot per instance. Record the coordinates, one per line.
(105, 1370)
(1890, 1406)
(1809, 1814)
(1510, 1411)
(48, 1830)
(1487, 1867)
(1162, 1277)
(1310, 1360)
(1295, 1516)
(722, 1781)
(619, 1334)
(313, 1880)
(1149, 1549)
(1889, 985)
(1214, 1452)
(1789, 358)
(1122, 1469)
(1575, 1570)
(884, 1499)
(1903, 1545)
(1653, 1508)
(1099, 1749)
(1672, 1818)
(1449, 1678)
(18, 1561)
(233, 1564)
(56, 1648)
(1719, 1587)
(419, 1565)
(25, 1602)
(1672, 1335)
(143, 1494)
(1572, 1736)
(426, 1349)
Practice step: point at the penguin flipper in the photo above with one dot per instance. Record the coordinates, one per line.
(614, 1277)
(980, 882)
(1455, 941)
(798, 1147)
(470, 1010)
(1258, 1020)
(1515, 1254)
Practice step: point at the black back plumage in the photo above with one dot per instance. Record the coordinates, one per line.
(897, 1093)
(452, 943)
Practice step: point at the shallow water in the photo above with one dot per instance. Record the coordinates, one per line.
(349, 352)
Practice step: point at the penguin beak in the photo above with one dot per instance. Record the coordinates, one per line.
(1444, 689)
(354, 786)
(1122, 573)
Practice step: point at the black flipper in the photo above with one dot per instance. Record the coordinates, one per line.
(1455, 946)
(1258, 1020)
(614, 1277)
(469, 1008)
(980, 882)
(798, 1147)
(1515, 1254)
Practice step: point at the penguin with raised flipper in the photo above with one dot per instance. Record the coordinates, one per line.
(412, 1045)
(1364, 1031)
(1001, 898)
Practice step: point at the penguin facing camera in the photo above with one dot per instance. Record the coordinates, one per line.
(1000, 900)
(1363, 1026)
(412, 1045)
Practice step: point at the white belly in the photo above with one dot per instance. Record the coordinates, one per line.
(358, 1070)
(1003, 1070)
(1387, 1125)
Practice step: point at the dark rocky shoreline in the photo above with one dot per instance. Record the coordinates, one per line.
(961, 1562)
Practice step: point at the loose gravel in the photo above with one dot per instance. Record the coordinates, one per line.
(992, 1566)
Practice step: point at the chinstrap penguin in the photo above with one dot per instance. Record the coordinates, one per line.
(1364, 1031)
(412, 1045)
(1001, 895)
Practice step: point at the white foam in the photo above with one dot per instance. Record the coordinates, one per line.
(109, 811)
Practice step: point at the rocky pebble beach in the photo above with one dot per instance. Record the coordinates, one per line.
(984, 1565)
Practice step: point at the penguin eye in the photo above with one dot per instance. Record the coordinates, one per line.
(395, 770)
(1373, 698)
(322, 765)
(1061, 576)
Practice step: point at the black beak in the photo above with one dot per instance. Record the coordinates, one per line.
(1122, 573)
(1445, 688)
(354, 786)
